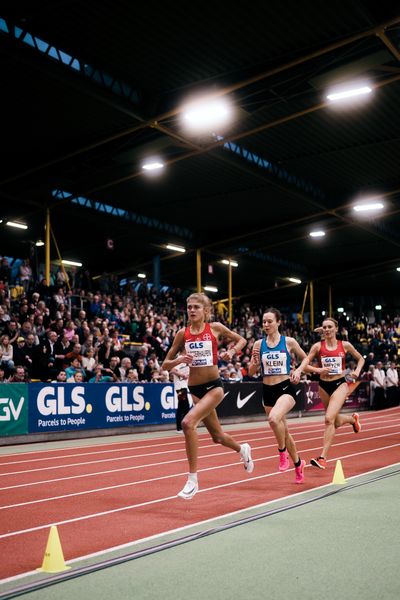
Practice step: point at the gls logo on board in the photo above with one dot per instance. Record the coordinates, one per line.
(124, 399)
(52, 401)
(168, 399)
(117, 399)
(10, 412)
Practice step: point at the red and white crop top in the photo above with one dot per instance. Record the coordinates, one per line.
(334, 359)
(202, 346)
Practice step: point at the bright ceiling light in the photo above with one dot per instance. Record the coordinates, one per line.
(16, 225)
(176, 248)
(340, 309)
(210, 288)
(294, 280)
(349, 93)
(39, 243)
(397, 268)
(207, 114)
(72, 263)
(317, 234)
(153, 165)
(368, 206)
(233, 263)
(378, 307)
(141, 275)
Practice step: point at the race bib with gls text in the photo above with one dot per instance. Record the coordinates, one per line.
(334, 363)
(201, 351)
(274, 363)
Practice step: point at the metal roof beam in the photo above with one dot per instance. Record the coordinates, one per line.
(382, 35)
(227, 90)
(98, 76)
(126, 215)
(274, 169)
(276, 260)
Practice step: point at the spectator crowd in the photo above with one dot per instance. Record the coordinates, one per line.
(52, 332)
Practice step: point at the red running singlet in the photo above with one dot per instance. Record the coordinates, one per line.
(334, 359)
(202, 346)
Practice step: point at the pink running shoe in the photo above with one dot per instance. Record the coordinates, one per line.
(284, 461)
(300, 472)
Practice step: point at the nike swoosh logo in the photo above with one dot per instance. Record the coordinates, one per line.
(285, 388)
(240, 402)
(210, 387)
(298, 392)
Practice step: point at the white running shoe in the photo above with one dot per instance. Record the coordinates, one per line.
(245, 453)
(191, 488)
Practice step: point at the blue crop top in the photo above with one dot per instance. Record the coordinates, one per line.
(276, 360)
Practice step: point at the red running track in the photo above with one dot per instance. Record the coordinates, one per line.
(109, 494)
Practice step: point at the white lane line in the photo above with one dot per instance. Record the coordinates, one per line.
(167, 498)
(177, 442)
(131, 444)
(135, 444)
(171, 476)
(163, 534)
(148, 465)
(267, 435)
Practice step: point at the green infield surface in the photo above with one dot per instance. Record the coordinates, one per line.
(336, 542)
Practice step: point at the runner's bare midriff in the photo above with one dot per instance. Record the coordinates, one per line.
(199, 375)
(274, 379)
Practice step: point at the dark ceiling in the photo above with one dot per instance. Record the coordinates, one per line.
(91, 88)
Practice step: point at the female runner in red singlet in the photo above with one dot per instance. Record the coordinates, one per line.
(333, 388)
(197, 346)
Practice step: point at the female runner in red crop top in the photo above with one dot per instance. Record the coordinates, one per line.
(197, 346)
(333, 388)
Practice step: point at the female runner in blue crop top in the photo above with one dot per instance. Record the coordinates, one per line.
(272, 356)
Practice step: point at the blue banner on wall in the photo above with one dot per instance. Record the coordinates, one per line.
(60, 407)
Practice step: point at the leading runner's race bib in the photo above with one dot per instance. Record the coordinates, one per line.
(202, 353)
(274, 363)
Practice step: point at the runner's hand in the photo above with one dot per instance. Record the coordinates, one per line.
(295, 376)
(353, 375)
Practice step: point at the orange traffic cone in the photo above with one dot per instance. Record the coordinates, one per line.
(53, 560)
(338, 476)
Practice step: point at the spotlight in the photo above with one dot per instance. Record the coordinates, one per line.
(176, 248)
(72, 263)
(349, 93)
(368, 207)
(233, 263)
(207, 114)
(153, 166)
(17, 225)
